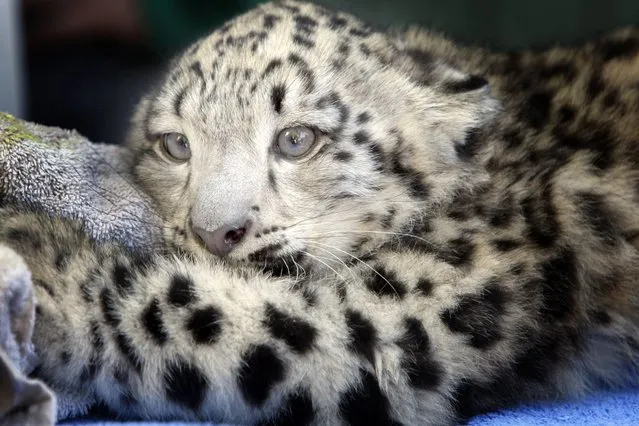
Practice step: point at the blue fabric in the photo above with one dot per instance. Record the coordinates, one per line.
(609, 408)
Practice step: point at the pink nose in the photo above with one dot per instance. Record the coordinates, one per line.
(224, 239)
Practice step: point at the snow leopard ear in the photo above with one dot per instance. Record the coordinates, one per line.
(458, 101)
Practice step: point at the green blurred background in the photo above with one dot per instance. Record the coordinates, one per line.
(496, 23)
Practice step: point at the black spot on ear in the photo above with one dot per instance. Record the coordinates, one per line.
(619, 49)
(181, 290)
(185, 384)
(277, 97)
(425, 286)
(298, 334)
(468, 149)
(151, 319)
(255, 208)
(122, 277)
(598, 217)
(297, 411)
(422, 371)
(260, 370)
(362, 335)
(536, 110)
(473, 82)
(127, 348)
(478, 316)
(559, 286)
(424, 59)
(385, 283)
(365, 405)
(205, 324)
(109, 308)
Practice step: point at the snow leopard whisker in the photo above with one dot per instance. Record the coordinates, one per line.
(396, 234)
(341, 262)
(319, 259)
(361, 261)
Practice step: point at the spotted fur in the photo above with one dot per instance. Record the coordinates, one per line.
(464, 235)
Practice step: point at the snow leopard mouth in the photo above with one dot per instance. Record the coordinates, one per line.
(277, 260)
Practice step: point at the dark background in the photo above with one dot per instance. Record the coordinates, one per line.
(88, 61)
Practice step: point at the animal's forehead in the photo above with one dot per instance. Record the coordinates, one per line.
(288, 34)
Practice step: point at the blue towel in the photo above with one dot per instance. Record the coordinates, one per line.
(607, 408)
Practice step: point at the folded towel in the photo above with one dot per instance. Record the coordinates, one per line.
(22, 401)
(62, 173)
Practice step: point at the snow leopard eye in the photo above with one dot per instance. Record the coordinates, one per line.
(294, 142)
(176, 145)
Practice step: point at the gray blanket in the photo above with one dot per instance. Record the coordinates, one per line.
(61, 173)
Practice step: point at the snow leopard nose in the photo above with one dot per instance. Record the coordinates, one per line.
(224, 239)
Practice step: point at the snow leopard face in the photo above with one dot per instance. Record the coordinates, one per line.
(293, 133)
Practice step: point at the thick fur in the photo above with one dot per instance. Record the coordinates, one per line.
(464, 235)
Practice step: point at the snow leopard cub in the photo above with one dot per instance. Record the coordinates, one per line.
(361, 228)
